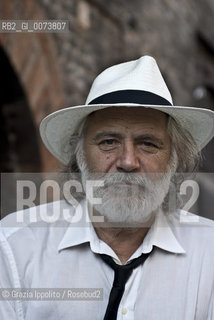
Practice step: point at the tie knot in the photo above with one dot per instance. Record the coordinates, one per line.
(129, 266)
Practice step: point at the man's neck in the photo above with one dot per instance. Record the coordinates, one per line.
(123, 241)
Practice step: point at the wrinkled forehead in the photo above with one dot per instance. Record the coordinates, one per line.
(130, 112)
(127, 116)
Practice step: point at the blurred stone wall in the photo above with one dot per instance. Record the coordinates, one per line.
(55, 70)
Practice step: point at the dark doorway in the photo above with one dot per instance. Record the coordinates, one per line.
(19, 150)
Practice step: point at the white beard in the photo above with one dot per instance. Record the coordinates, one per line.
(128, 199)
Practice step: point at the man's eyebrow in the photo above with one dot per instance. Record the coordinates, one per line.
(147, 136)
(105, 134)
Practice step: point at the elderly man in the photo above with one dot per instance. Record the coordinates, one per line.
(125, 244)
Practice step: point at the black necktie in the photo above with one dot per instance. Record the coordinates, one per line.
(121, 275)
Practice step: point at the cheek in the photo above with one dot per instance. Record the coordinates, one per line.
(156, 162)
(98, 160)
(164, 162)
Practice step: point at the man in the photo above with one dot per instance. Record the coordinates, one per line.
(126, 239)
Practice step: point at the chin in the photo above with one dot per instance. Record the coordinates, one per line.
(126, 212)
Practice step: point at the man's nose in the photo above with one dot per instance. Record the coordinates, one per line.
(127, 160)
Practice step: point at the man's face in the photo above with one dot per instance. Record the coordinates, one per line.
(127, 140)
(129, 150)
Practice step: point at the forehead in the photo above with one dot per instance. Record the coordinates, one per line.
(127, 118)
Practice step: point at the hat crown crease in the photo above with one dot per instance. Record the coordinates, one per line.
(142, 74)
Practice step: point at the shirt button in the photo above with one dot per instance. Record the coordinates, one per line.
(124, 311)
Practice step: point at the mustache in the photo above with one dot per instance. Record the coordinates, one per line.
(139, 179)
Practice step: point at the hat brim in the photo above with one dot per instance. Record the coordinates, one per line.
(57, 128)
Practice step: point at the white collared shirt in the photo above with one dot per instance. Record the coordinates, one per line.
(175, 282)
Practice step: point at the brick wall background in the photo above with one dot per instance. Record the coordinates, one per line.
(43, 72)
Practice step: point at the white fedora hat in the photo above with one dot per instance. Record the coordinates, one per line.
(137, 83)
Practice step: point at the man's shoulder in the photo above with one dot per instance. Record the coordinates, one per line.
(182, 218)
(191, 219)
(30, 239)
(42, 217)
(192, 230)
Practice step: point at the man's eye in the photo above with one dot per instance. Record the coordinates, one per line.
(108, 144)
(149, 146)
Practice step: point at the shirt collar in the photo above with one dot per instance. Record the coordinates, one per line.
(160, 235)
(77, 233)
